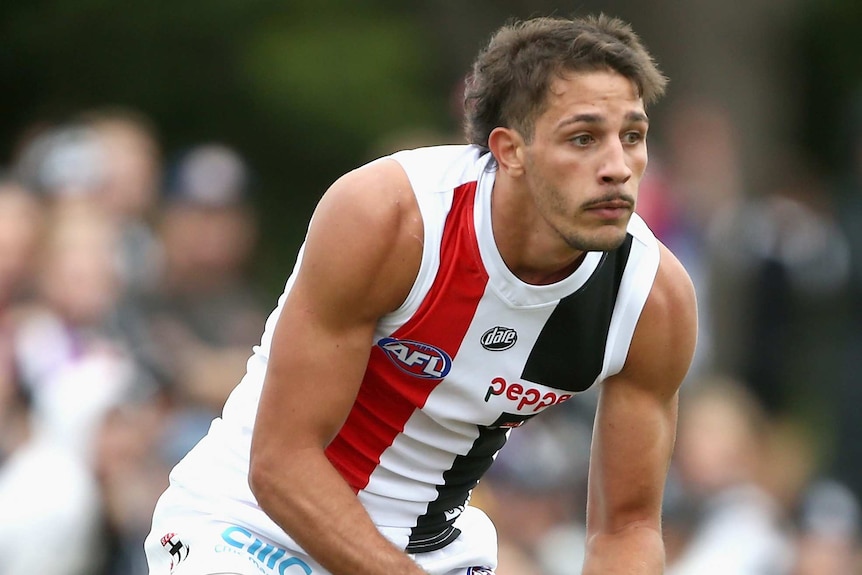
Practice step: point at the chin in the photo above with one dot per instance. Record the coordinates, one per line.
(608, 246)
(601, 241)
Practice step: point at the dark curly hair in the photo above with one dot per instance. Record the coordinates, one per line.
(511, 76)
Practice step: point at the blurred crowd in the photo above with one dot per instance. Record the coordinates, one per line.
(127, 313)
(128, 310)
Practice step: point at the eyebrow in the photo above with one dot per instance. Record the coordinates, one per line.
(598, 119)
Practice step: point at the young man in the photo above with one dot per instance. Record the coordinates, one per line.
(443, 297)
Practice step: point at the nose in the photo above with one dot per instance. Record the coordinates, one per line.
(614, 168)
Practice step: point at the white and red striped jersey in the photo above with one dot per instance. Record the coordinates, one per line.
(472, 353)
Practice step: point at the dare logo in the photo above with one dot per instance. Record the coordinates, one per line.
(416, 358)
(499, 338)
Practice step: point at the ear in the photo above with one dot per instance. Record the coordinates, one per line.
(507, 145)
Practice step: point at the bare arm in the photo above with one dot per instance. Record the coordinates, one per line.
(635, 430)
(360, 260)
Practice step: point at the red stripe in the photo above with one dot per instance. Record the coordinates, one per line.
(388, 396)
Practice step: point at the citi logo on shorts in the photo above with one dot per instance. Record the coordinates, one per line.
(416, 358)
(499, 338)
(265, 554)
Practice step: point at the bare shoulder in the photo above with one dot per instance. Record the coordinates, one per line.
(366, 235)
(666, 334)
(377, 193)
(673, 291)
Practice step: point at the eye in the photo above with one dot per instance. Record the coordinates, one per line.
(633, 137)
(582, 140)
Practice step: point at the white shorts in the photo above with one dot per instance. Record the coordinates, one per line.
(197, 544)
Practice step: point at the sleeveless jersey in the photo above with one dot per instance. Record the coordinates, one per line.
(471, 354)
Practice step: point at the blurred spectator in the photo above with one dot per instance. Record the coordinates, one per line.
(131, 174)
(69, 357)
(49, 500)
(694, 178)
(20, 229)
(848, 425)
(738, 527)
(825, 513)
(828, 540)
(47, 525)
(780, 263)
(60, 161)
(112, 156)
(206, 315)
(75, 364)
(131, 461)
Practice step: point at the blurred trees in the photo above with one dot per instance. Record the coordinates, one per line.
(830, 91)
(303, 88)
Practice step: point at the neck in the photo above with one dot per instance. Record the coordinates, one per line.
(542, 276)
(530, 251)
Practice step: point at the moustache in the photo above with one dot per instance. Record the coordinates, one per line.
(612, 199)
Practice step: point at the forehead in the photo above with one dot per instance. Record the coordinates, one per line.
(601, 92)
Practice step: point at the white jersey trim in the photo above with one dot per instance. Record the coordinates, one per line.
(635, 288)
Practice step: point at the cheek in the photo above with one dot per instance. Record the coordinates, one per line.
(638, 160)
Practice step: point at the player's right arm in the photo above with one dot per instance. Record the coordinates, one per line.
(361, 257)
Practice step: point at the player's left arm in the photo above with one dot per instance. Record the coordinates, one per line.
(635, 429)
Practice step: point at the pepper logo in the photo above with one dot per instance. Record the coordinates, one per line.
(525, 396)
(416, 358)
(499, 338)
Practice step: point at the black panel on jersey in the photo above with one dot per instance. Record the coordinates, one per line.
(434, 530)
(570, 350)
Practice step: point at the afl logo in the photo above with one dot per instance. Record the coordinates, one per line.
(499, 338)
(416, 358)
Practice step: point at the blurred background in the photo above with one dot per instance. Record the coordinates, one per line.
(158, 164)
